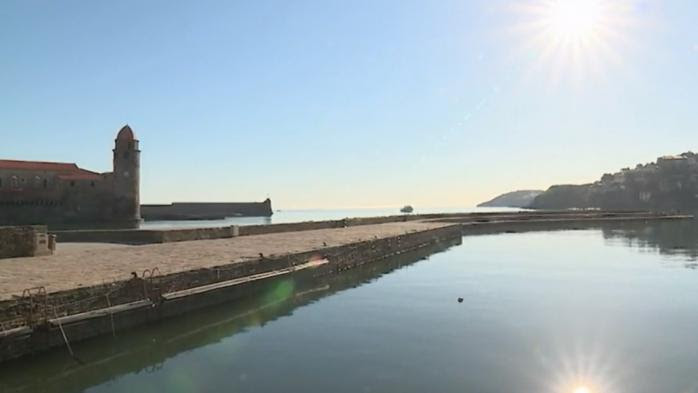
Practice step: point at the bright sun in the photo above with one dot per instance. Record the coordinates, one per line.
(572, 20)
(574, 38)
(582, 389)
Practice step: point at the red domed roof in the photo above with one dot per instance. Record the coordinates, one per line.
(125, 134)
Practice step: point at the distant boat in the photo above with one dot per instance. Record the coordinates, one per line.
(407, 209)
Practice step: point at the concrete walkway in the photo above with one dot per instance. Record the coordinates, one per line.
(75, 265)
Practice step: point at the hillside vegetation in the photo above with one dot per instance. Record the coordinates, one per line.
(669, 183)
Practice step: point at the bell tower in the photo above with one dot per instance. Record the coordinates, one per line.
(127, 166)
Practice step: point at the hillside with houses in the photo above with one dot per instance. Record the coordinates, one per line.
(669, 183)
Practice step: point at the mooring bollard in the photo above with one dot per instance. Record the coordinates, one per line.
(52, 243)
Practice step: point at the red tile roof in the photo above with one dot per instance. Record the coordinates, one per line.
(38, 166)
(67, 171)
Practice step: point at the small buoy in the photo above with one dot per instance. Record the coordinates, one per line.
(460, 300)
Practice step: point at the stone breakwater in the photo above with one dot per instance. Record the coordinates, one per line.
(260, 305)
(152, 236)
(39, 320)
(84, 290)
(76, 265)
(206, 210)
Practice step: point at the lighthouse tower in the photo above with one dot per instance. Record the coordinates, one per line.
(127, 164)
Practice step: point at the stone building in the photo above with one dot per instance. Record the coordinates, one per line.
(62, 194)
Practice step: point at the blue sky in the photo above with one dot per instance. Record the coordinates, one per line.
(344, 103)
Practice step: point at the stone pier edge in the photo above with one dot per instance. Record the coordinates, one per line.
(136, 306)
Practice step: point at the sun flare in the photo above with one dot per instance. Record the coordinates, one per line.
(573, 19)
(582, 389)
(575, 38)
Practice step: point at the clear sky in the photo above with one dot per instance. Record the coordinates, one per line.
(356, 103)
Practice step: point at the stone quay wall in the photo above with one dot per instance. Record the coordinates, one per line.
(144, 236)
(38, 322)
(141, 236)
(149, 236)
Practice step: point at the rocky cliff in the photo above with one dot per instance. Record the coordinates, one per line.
(669, 183)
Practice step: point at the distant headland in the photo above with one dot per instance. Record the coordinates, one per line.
(520, 198)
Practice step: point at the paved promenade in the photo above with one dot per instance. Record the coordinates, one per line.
(87, 264)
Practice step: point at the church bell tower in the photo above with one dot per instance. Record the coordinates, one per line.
(127, 165)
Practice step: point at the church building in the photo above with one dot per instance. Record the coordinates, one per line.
(63, 194)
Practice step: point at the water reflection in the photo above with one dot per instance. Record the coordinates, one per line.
(586, 370)
(671, 238)
(146, 349)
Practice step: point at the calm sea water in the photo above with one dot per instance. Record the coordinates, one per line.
(284, 216)
(611, 309)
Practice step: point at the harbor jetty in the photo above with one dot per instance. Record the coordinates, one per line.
(100, 282)
(140, 348)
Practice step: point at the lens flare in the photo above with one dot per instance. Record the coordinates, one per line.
(281, 291)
